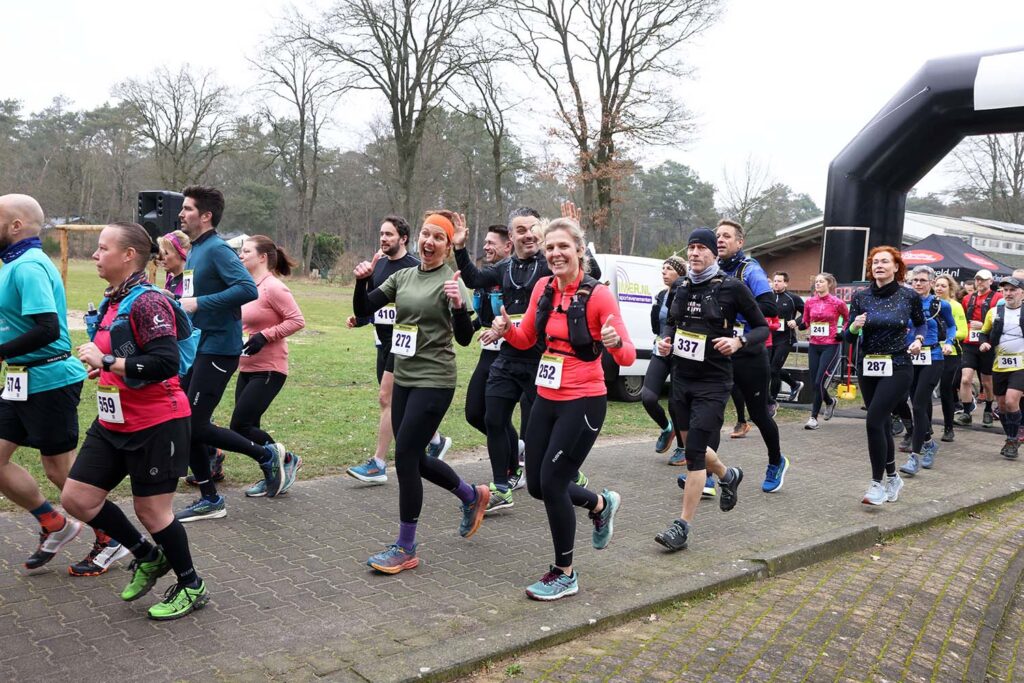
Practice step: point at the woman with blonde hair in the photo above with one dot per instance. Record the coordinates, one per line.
(947, 290)
(174, 248)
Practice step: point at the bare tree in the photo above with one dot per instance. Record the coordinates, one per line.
(408, 50)
(607, 62)
(743, 195)
(293, 73)
(992, 167)
(185, 117)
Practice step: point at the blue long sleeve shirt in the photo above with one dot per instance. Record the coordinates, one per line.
(221, 284)
(931, 334)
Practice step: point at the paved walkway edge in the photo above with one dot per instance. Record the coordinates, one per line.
(992, 623)
(420, 664)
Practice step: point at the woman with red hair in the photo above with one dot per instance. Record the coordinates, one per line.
(879, 317)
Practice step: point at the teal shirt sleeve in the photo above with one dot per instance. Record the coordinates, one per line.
(34, 299)
(240, 286)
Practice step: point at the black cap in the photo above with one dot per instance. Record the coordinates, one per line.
(1012, 281)
(704, 236)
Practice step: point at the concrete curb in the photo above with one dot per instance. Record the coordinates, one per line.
(444, 664)
(992, 622)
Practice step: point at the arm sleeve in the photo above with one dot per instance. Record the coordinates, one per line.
(46, 330)
(157, 361)
(855, 310)
(462, 326)
(669, 328)
(798, 313)
(947, 317)
(364, 303)
(604, 306)
(751, 310)
(766, 302)
(917, 316)
(656, 311)
(961, 321)
(283, 303)
(986, 327)
(595, 270)
(474, 277)
(240, 286)
(525, 336)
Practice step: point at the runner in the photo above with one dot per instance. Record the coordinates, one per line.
(431, 308)
(174, 248)
(215, 287)
(790, 308)
(142, 430)
(949, 383)
(939, 337)
(699, 334)
(41, 386)
(880, 315)
(660, 366)
(263, 367)
(1003, 332)
(568, 312)
(752, 371)
(974, 362)
(823, 315)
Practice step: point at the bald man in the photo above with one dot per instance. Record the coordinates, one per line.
(42, 384)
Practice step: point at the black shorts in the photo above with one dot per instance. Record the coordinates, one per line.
(1001, 381)
(154, 458)
(385, 361)
(47, 421)
(512, 378)
(976, 360)
(699, 403)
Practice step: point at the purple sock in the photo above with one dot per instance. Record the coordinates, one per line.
(465, 492)
(406, 535)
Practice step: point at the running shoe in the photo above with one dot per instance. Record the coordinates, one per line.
(273, 469)
(517, 479)
(794, 391)
(499, 500)
(394, 559)
(678, 457)
(739, 430)
(773, 409)
(440, 449)
(292, 465)
(664, 439)
(963, 419)
(144, 575)
(370, 472)
(893, 486)
(986, 418)
(203, 508)
(906, 443)
(258, 489)
(709, 485)
(1009, 449)
(581, 480)
(812, 423)
(875, 495)
(928, 452)
(554, 585)
(604, 522)
(473, 513)
(675, 537)
(947, 435)
(912, 466)
(830, 409)
(730, 490)
(51, 542)
(99, 559)
(178, 601)
(216, 469)
(775, 475)
(897, 426)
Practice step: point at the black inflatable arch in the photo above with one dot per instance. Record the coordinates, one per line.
(947, 100)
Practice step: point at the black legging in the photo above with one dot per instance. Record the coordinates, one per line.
(502, 440)
(737, 399)
(476, 391)
(823, 361)
(881, 395)
(560, 436)
(752, 376)
(204, 384)
(416, 413)
(919, 410)
(779, 353)
(254, 392)
(654, 381)
(949, 386)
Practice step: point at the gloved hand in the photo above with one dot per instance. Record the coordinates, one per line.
(254, 345)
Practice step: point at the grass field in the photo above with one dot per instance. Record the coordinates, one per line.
(327, 411)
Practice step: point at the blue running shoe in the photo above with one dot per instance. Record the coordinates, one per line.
(394, 559)
(439, 450)
(928, 452)
(604, 521)
(273, 468)
(678, 457)
(775, 475)
(912, 466)
(473, 513)
(664, 439)
(554, 585)
(203, 508)
(257, 490)
(709, 485)
(292, 465)
(369, 472)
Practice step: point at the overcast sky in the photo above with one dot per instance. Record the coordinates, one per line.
(786, 82)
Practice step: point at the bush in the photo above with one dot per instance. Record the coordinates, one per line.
(326, 250)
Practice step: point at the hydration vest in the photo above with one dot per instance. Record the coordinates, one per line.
(984, 307)
(710, 309)
(583, 344)
(934, 307)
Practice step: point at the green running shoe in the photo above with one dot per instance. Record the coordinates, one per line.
(146, 573)
(581, 480)
(178, 601)
(499, 500)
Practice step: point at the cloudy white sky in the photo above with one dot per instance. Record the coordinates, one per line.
(786, 83)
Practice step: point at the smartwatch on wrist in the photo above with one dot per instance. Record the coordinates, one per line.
(107, 361)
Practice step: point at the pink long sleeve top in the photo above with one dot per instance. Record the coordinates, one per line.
(276, 315)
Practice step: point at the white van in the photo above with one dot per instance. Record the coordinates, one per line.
(635, 281)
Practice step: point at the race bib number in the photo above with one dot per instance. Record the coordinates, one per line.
(689, 345)
(974, 336)
(187, 284)
(549, 372)
(15, 384)
(737, 330)
(493, 346)
(403, 341)
(922, 357)
(385, 315)
(108, 404)
(517, 320)
(878, 366)
(1009, 362)
(819, 329)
